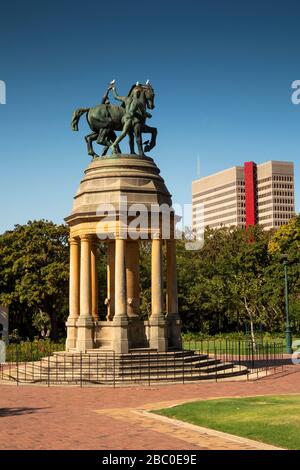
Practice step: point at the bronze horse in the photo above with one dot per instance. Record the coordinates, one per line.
(105, 119)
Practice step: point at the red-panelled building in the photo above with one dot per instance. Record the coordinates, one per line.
(250, 177)
(245, 195)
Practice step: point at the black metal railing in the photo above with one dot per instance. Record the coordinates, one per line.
(39, 362)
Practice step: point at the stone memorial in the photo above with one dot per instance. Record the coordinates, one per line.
(116, 193)
(122, 202)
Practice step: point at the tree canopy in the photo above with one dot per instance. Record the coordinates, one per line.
(34, 265)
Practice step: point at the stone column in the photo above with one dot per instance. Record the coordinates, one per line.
(132, 259)
(94, 279)
(120, 322)
(172, 296)
(157, 279)
(110, 280)
(173, 320)
(74, 289)
(157, 320)
(85, 323)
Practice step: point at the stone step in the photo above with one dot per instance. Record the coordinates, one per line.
(213, 366)
(122, 361)
(179, 377)
(138, 366)
(141, 353)
(194, 361)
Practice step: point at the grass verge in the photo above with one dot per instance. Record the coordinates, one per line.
(270, 419)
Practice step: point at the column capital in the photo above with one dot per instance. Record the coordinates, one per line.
(85, 237)
(74, 241)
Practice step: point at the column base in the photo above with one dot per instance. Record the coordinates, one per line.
(174, 331)
(120, 335)
(136, 333)
(85, 333)
(158, 334)
(71, 333)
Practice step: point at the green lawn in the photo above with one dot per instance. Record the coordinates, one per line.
(271, 419)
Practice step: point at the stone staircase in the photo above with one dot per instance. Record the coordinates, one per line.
(139, 366)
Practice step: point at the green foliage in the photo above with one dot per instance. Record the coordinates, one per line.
(42, 323)
(34, 261)
(285, 244)
(27, 351)
(237, 280)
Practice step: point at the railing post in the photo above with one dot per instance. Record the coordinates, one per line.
(149, 379)
(48, 370)
(114, 369)
(157, 365)
(252, 355)
(97, 366)
(65, 368)
(72, 367)
(17, 361)
(80, 368)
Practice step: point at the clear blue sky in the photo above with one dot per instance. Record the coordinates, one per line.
(222, 73)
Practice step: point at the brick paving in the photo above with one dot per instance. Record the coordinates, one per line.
(38, 417)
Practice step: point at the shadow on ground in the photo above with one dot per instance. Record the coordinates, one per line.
(18, 411)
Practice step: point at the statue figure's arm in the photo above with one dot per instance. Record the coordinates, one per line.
(105, 96)
(117, 97)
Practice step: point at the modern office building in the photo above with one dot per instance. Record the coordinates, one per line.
(245, 195)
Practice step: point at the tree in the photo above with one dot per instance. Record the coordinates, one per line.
(285, 245)
(246, 290)
(34, 266)
(42, 323)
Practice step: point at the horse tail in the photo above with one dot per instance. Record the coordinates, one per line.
(76, 116)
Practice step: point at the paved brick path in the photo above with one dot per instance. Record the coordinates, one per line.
(35, 417)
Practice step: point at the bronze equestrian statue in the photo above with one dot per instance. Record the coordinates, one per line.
(129, 118)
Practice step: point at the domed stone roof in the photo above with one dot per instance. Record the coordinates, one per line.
(108, 180)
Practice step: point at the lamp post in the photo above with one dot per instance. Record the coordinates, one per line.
(288, 333)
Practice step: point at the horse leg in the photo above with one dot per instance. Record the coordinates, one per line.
(89, 139)
(109, 139)
(105, 151)
(138, 137)
(153, 131)
(112, 138)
